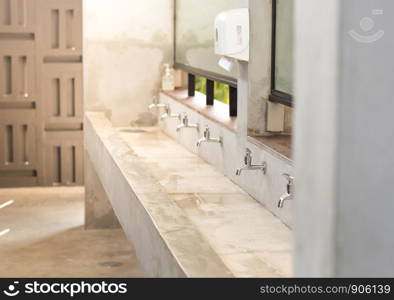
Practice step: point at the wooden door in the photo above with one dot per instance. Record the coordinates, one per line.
(41, 105)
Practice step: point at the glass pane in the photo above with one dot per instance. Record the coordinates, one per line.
(222, 91)
(195, 33)
(201, 85)
(284, 46)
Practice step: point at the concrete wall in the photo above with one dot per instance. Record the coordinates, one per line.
(258, 69)
(126, 43)
(263, 117)
(265, 188)
(344, 213)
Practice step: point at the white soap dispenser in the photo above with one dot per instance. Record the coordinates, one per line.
(232, 36)
(168, 80)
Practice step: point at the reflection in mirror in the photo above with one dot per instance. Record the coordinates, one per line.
(195, 34)
(284, 46)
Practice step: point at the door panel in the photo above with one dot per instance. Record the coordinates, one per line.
(63, 36)
(62, 93)
(17, 16)
(64, 158)
(41, 105)
(17, 76)
(18, 138)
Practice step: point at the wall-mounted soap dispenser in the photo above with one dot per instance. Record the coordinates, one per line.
(232, 35)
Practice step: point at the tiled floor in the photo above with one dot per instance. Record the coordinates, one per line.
(42, 235)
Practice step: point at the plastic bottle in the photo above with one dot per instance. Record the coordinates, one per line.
(168, 80)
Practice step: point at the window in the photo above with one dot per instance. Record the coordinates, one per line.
(194, 51)
(221, 90)
(214, 90)
(282, 52)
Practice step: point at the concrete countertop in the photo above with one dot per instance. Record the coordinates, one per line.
(208, 226)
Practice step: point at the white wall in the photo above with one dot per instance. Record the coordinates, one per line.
(125, 44)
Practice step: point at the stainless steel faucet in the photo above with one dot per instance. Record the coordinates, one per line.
(289, 190)
(185, 124)
(207, 138)
(156, 104)
(248, 164)
(167, 114)
(167, 110)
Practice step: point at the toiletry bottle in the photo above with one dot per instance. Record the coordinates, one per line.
(168, 80)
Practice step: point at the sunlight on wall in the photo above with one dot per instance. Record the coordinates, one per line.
(126, 43)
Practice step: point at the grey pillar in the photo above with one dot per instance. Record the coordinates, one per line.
(344, 144)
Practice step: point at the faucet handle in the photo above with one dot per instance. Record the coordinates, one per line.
(207, 132)
(185, 119)
(290, 179)
(248, 156)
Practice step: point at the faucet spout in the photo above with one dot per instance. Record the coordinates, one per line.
(283, 199)
(289, 190)
(160, 105)
(239, 171)
(200, 141)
